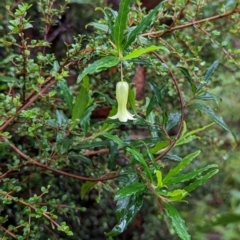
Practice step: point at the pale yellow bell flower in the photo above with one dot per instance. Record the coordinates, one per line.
(123, 115)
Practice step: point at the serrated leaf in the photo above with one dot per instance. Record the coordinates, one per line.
(98, 66)
(127, 209)
(139, 157)
(208, 75)
(81, 102)
(177, 194)
(151, 105)
(191, 175)
(139, 52)
(207, 96)
(159, 93)
(184, 163)
(177, 222)
(120, 24)
(86, 187)
(65, 92)
(201, 180)
(218, 120)
(130, 190)
(159, 178)
(143, 25)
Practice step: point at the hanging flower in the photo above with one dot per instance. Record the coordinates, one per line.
(122, 96)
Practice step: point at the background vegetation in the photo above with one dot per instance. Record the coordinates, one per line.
(68, 171)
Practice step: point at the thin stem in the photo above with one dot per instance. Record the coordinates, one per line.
(172, 143)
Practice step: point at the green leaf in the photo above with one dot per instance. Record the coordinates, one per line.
(173, 120)
(127, 209)
(177, 194)
(191, 175)
(143, 25)
(184, 163)
(160, 146)
(207, 96)
(130, 189)
(159, 178)
(99, 26)
(208, 75)
(189, 78)
(159, 93)
(114, 138)
(177, 222)
(85, 120)
(86, 187)
(218, 120)
(98, 66)
(139, 52)
(139, 157)
(151, 105)
(81, 102)
(65, 92)
(131, 99)
(201, 180)
(120, 24)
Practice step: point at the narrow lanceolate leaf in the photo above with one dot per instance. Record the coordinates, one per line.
(139, 157)
(114, 138)
(184, 163)
(139, 52)
(177, 222)
(127, 209)
(196, 173)
(201, 180)
(121, 23)
(81, 102)
(65, 92)
(129, 190)
(189, 78)
(218, 120)
(206, 78)
(98, 66)
(143, 25)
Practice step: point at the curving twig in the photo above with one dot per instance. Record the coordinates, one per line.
(172, 143)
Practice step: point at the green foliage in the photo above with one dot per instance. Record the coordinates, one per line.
(60, 152)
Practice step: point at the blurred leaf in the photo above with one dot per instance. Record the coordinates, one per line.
(159, 178)
(160, 146)
(151, 105)
(98, 66)
(81, 102)
(121, 24)
(172, 157)
(131, 99)
(184, 163)
(99, 26)
(177, 194)
(207, 96)
(127, 209)
(143, 25)
(189, 78)
(139, 52)
(139, 157)
(114, 138)
(86, 187)
(173, 120)
(85, 120)
(208, 75)
(177, 222)
(65, 92)
(218, 120)
(113, 153)
(130, 189)
(61, 117)
(201, 180)
(159, 93)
